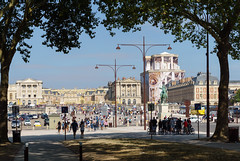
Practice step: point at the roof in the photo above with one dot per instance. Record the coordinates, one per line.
(202, 77)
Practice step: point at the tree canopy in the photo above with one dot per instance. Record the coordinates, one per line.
(186, 20)
(236, 98)
(63, 21)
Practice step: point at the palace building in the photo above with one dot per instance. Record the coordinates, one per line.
(128, 91)
(194, 89)
(160, 70)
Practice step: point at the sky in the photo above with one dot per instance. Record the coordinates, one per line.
(77, 69)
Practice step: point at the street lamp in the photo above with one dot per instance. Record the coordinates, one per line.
(144, 51)
(115, 69)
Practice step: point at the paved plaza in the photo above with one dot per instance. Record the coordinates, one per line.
(46, 144)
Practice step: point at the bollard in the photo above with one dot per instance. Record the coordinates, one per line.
(80, 151)
(26, 152)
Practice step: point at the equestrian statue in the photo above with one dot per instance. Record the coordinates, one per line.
(163, 94)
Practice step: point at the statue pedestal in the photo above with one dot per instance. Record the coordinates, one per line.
(163, 110)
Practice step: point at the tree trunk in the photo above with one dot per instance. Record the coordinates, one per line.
(221, 131)
(3, 102)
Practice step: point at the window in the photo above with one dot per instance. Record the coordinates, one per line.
(23, 102)
(29, 95)
(29, 86)
(197, 90)
(35, 102)
(23, 86)
(134, 101)
(23, 95)
(29, 102)
(34, 86)
(129, 101)
(123, 94)
(197, 96)
(35, 96)
(11, 96)
(123, 101)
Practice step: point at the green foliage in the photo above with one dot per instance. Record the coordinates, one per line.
(62, 22)
(186, 19)
(236, 98)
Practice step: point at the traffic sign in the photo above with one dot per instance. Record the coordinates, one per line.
(64, 109)
(15, 110)
(151, 107)
(197, 106)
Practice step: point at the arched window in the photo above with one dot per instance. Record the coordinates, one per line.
(123, 101)
(23, 102)
(29, 102)
(134, 101)
(129, 101)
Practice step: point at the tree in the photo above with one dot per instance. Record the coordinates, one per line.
(187, 20)
(236, 98)
(62, 21)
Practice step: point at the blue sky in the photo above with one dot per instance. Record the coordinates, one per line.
(77, 69)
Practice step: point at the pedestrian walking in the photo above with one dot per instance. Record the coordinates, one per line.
(105, 123)
(82, 128)
(59, 126)
(74, 127)
(102, 123)
(63, 126)
(185, 125)
(160, 126)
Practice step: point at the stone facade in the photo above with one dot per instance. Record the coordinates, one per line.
(160, 70)
(30, 92)
(25, 92)
(193, 89)
(128, 91)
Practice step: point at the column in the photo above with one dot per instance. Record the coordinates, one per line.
(162, 65)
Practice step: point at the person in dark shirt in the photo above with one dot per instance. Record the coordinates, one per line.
(160, 125)
(74, 127)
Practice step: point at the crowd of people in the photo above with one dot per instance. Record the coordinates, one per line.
(170, 126)
(91, 124)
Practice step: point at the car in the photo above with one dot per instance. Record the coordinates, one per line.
(46, 122)
(44, 115)
(37, 123)
(22, 117)
(27, 122)
(10, 117)
(35, 116)
(14, 123)
(195, 119)
(30, 117)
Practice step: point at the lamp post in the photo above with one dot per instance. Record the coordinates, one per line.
(207, 54)
(115, 68)
(144, 51)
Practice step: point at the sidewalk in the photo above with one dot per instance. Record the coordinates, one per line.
(46, 144)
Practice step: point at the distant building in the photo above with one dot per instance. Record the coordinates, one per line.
(30, 92)
(25, 92)
(95, 96)
(128, 91)
(160, 70)
(193, 89)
